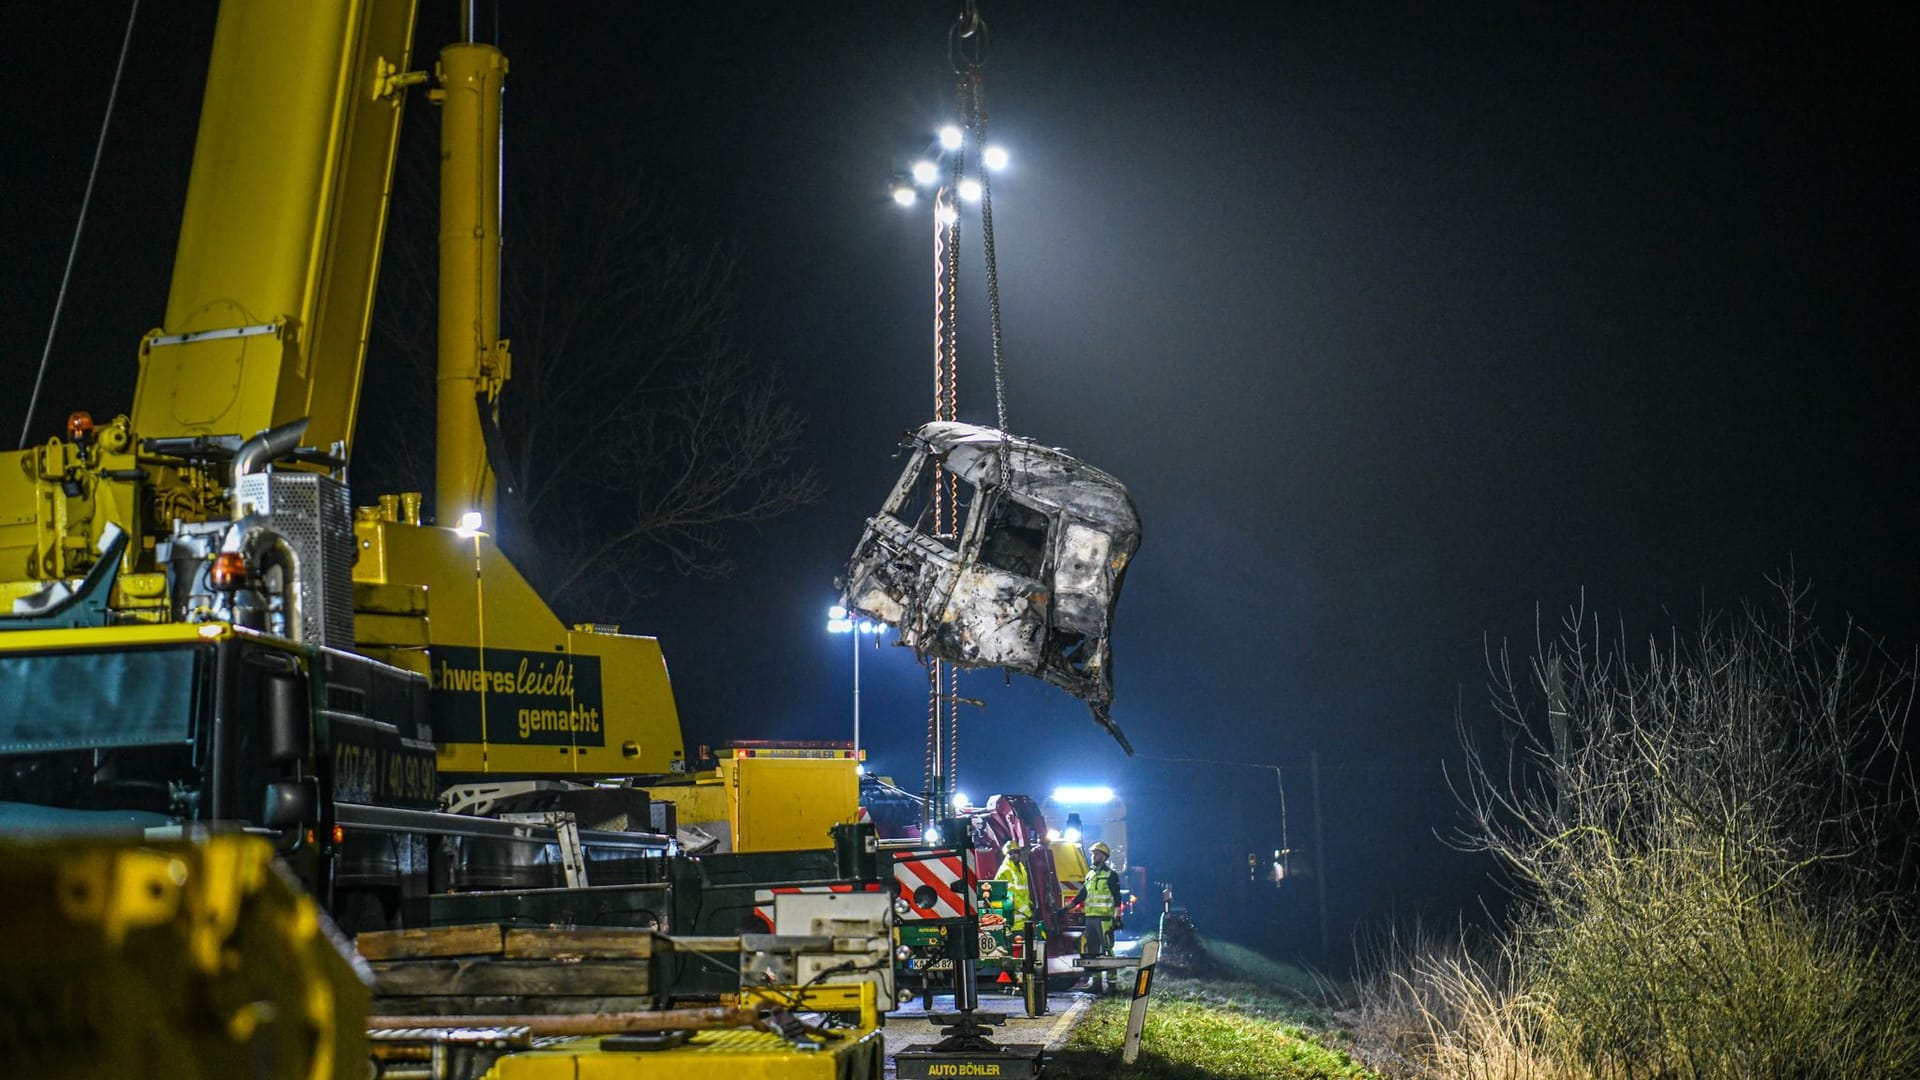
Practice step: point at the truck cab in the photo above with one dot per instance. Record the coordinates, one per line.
(166, 728)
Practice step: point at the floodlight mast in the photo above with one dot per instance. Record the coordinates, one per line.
(841, 621)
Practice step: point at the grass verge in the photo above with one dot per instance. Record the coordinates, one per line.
(1240, 1017)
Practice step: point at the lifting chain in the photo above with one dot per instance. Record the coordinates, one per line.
(967, 42)
(946, 266)
(973, 94)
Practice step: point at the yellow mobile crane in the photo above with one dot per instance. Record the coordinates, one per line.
(198, 624)
(201, 634)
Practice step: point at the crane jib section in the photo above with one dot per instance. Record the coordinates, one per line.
(285, 213)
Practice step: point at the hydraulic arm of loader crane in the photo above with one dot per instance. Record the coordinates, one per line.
(265, 331)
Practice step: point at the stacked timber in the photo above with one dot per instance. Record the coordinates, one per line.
(493, 970)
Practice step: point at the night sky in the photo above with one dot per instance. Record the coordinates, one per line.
(1400, 322)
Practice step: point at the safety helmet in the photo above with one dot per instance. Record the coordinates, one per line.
(1009, 847)
(1100, 847)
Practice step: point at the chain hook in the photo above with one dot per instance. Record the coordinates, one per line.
(967, 39)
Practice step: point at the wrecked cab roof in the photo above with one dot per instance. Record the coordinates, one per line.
(1027, 582)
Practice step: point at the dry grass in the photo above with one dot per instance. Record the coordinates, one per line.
(1712, 852)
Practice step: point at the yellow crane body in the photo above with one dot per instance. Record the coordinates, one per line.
(515, 691)
(770, 797)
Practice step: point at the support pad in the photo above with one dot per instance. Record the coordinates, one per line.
(1015, 1061)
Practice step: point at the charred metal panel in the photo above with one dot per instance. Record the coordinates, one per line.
(1030, 579)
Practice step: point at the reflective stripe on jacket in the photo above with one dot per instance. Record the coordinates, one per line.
(1102, 890)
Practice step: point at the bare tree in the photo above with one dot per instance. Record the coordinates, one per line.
(1710, 839)
(637, 425)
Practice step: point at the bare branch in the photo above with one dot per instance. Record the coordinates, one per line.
(640, 428)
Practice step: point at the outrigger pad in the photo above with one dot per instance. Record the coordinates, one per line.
(1024, 578)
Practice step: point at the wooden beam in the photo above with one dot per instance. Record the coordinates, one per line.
(418, 977)
(705, 1018)
(495, 1004)
(588, 942)
(483, 939)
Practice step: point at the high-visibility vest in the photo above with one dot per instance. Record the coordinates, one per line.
(1015, 876)
(1102, 890)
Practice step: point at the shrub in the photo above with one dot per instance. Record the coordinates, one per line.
(1711, 849)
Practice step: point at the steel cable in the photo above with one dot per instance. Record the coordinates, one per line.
(79, 225)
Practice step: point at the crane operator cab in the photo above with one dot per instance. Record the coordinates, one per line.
(1025, 575)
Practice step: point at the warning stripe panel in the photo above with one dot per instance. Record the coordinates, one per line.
(943, 883)
(942, 873)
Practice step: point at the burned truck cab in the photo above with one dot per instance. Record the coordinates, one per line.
(1024, 575)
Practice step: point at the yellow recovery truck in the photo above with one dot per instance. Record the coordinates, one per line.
(204, 633)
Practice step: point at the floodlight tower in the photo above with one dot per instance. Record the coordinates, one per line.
(841, 621)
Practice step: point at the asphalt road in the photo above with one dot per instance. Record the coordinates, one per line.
(907, 1028)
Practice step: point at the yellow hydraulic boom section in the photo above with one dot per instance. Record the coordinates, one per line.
(473, 360)
(273, 282)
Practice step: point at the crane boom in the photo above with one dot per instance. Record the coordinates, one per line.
(272, 291)
(221, 499)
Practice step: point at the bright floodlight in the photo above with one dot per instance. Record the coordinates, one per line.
(1053, 834)
(948, 215)
(959, 799)
(836, 612)
(469, 523)
(1071, 836)
(995, 157)
(1083, 795)
(950, 137)
(904, 195)
(869, 627)
(926, 172)
(970, 190)
(931, 836)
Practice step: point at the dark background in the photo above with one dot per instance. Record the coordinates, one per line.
(1402, 322)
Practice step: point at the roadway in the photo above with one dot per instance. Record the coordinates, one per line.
(910, 1027)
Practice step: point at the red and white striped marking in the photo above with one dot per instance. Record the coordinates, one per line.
(763, 898)
(942, 872)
